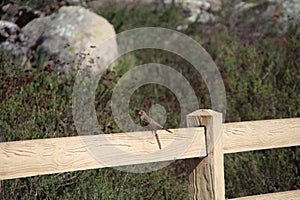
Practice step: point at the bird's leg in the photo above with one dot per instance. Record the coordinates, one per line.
(157, 139)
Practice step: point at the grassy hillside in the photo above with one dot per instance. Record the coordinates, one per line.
(262, 81)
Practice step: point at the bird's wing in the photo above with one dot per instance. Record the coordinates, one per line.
(155, 125)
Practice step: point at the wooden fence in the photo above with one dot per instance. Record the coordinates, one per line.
(209, 141)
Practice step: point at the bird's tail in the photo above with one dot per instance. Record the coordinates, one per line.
(168, 130)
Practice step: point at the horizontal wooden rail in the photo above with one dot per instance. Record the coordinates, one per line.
(263, 134)
(289, 195)
(55, 155)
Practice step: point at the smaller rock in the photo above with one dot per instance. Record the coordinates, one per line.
(13, 39)
(243, 6)
(204, 5)
(8, 29)
(201, 16)
(19, 14)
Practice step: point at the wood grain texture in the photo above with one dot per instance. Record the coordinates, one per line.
(289, 195)
(264, 134)
(55, 155)
(206, 175)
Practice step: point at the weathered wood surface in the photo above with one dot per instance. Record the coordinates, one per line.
(264, 134)
(289, 195)
(55, 155)
(206, 178)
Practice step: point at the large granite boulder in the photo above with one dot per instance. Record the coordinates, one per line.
(69, 32)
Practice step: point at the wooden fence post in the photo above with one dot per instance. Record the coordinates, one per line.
(206, 178)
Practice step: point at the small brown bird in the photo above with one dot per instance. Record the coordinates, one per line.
(149, 123)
